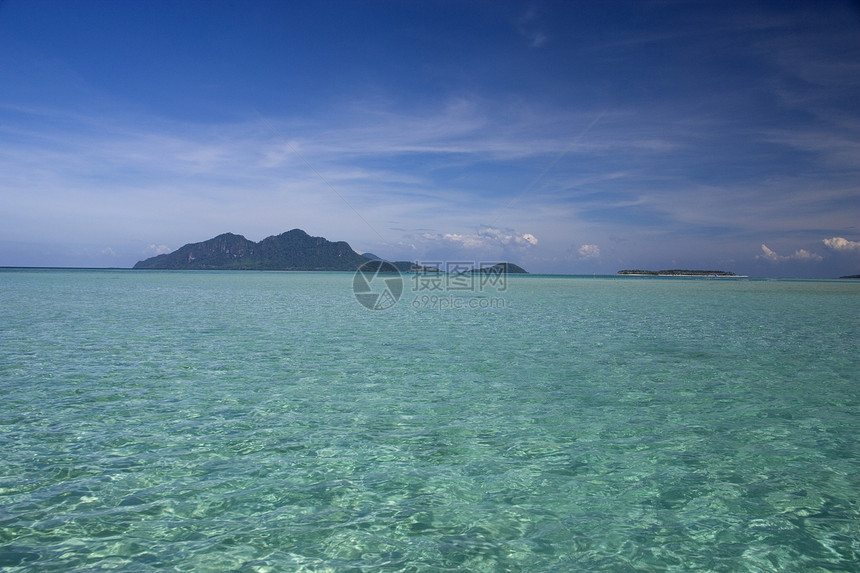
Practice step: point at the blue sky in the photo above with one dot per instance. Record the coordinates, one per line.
(568, 137)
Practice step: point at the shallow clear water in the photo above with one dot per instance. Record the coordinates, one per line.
(268, 422)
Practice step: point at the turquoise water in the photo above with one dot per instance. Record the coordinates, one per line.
(241, 421)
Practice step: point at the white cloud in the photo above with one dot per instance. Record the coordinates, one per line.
(799, 255)
(157, 249)
(467, 241)
(487, 238)
(804, 255)
(842, 244)
(589, 251)
(507, 237)
(769, 254)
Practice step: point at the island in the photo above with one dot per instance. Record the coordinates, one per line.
(501, 269)
(679, 273)
(850, 277)
(291, 251)
(294, 250)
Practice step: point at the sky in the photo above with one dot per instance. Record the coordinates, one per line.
(567, 137)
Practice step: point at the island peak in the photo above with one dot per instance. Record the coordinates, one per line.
(293, 250)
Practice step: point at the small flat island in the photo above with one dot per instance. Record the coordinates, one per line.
(679, 273)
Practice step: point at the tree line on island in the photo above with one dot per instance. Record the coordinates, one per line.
(291, 251)
(678, 273)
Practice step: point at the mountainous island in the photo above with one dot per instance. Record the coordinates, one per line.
(501, 268)
(291, 251)
(678, 273)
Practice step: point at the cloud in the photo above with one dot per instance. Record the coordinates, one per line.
(841, 244)
(528, 28)
(507, 237)
(467, 241)
(157, 249)
(487, 238)
(589, 251)
(804, 255)
(769, 254)
(799, 255)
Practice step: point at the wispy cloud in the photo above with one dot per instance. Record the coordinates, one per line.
(530, 28)
(171, 183)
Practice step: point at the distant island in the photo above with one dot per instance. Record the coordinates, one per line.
(850, 277)
(291, 251)
(679, 273)
(501, 268)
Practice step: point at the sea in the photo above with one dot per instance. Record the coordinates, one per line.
(288, 421)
